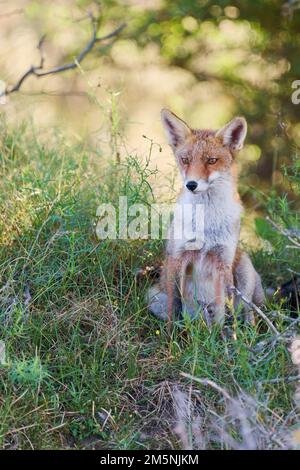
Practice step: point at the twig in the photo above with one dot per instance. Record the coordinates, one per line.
(210, 383)
(294, 322)
(293, 272)
(283, 317)
(255, 308)
(289, 234)
(270, 344)
(291, 378)
(38, 70)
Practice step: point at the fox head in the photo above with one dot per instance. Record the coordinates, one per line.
(204, 156)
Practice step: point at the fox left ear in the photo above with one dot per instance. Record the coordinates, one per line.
(234, 133)
(177, 130)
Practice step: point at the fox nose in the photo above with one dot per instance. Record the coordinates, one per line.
(192, 185)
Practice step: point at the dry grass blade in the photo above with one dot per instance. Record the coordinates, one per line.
(246, 423)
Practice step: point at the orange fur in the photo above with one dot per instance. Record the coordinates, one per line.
(206, 160)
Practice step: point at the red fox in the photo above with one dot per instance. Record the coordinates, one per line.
(199, 279)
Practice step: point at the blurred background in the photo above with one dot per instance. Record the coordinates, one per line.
(208, 61)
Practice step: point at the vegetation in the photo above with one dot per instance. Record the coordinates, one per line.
(248, 50)
(85, 363)
(232, 58)
(82, 362)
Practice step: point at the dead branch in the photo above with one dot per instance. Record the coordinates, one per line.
(256, 309)
(289, 379)
(38, 70)
(291, 235)
(209, 383)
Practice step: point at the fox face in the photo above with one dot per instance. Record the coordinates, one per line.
(204, 156)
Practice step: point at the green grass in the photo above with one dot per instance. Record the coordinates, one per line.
(86, 365)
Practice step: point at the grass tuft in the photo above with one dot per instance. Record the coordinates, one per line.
(85, 365)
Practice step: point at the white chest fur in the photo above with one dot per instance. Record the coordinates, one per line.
(219, 222)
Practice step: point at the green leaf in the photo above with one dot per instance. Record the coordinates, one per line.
(264, 230)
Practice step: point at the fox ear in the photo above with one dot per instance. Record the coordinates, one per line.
(176, 129)
(234, 133)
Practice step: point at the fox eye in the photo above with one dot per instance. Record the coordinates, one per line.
(212, 161)
(185, 160)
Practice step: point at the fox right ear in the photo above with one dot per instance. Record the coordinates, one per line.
(176, 129)
(234, 133)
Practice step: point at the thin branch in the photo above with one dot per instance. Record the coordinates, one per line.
(289, 379)
(283, 317)
(289, 234)
(31, 71)
(38, 70)
(255, 308)
(293, 272)
(209, 383)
